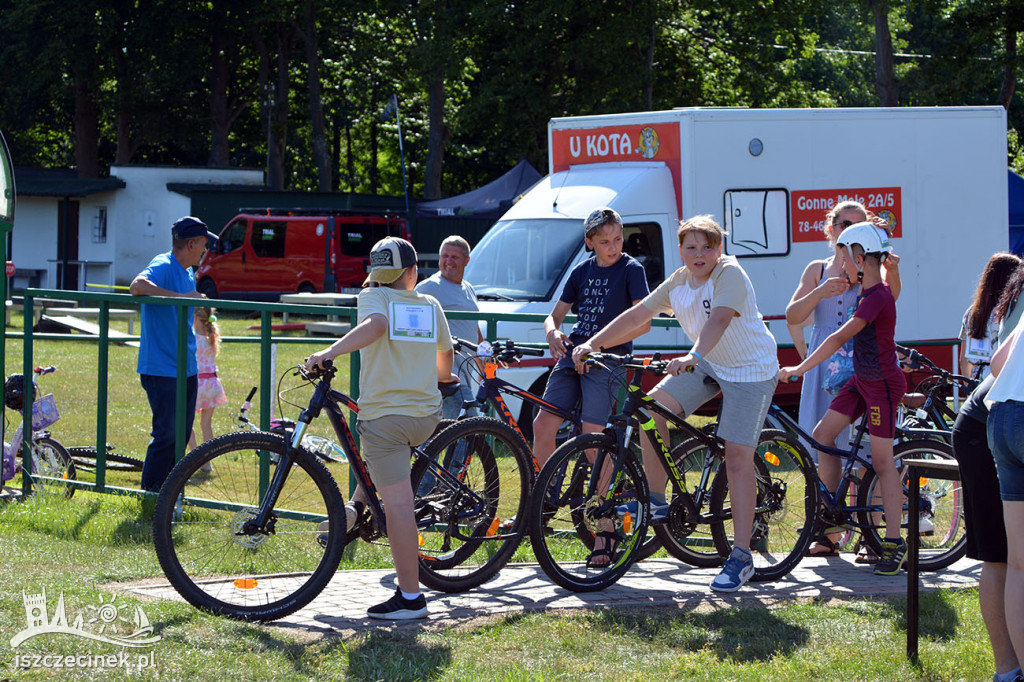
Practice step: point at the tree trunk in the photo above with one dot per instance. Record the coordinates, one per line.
(436, 140)
(321, 155)
(124, 152)
(1010, 72)
(279, 112)
(220, 79)
(87, 129)
(885, 76)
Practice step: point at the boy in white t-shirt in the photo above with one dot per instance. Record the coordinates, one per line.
(713, 300)
(406, 349)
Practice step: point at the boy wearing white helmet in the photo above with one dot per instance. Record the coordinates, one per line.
(877, 383)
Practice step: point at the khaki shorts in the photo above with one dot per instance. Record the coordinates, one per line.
(385, 445)
(744, 404)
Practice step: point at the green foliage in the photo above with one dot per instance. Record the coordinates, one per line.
(507, 68)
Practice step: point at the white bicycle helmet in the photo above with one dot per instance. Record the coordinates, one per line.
(873, 239)
(868, 236)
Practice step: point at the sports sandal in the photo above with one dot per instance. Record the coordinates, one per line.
(866, 556)
(608, 551)
(823, 546)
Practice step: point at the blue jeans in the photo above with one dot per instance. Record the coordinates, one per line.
(1006, 440)
(160, 456)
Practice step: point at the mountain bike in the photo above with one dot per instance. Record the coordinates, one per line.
(491, 390)
(569, 490)
(925, 412)
(50, 466)
(259, 536)
(942, 505)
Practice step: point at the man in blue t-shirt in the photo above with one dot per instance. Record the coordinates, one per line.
(169, 274)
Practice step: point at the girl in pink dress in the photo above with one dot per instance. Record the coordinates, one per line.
(211, 392)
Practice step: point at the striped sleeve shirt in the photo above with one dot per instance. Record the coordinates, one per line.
(746, 351)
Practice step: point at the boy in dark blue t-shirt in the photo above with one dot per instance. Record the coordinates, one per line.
(601, 287)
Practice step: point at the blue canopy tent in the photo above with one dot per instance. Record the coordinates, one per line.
(1016, 204)
(488, 202)
(471, 214)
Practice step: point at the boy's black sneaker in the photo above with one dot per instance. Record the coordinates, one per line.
(893, 556)
(399, 608)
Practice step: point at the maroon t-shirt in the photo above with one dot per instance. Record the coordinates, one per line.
(874, 347)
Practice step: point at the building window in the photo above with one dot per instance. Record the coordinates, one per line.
(99, 225)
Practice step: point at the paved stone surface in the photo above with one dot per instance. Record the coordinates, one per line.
(341, 608)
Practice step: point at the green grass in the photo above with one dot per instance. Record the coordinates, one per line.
(80, 546)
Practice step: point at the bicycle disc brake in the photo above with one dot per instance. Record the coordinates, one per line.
(246, 534)
(592, 516)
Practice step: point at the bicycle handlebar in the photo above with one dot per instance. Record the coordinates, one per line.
(506, 351)
(917, 359)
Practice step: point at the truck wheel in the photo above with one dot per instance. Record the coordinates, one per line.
(207, 288)
(306, 288)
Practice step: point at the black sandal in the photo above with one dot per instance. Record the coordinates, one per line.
(609, 551)
(824, 542)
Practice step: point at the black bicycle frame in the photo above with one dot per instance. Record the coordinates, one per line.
(850, 458)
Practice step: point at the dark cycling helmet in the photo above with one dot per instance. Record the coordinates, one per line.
(14, 392)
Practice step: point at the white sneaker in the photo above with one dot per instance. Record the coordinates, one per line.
(925, 525)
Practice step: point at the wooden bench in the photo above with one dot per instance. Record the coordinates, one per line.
(94, 313)
(39, 306)
(336, 329)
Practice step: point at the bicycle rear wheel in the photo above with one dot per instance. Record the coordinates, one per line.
(942, 507)
(786, 506)
(563, 493)
(84, 457)
(211, 554)
(687, 534)
(459, 511)
(51, 460)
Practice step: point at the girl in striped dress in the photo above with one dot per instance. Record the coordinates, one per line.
(211, 393)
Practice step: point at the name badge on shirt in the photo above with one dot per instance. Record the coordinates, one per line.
(412, 322)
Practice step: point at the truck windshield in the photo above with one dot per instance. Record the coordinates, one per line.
(523, 260)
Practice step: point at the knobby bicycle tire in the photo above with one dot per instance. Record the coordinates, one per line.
(942, 505)
(85, 458)
(688, 534)
(460, 517)
(786, 506)
(557, 496)
(199, 528)
(51, 459)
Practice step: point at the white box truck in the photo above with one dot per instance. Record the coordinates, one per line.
(937, 174)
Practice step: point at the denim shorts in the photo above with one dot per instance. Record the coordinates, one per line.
(1006, 439)
(566, 389)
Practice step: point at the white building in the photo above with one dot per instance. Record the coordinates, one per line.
(101, 230)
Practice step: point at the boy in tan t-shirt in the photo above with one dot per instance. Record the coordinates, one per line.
(406, 349)
(713, 300)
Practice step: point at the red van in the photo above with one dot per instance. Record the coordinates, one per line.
(264, 253)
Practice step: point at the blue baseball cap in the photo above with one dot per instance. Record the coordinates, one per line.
(190, 227)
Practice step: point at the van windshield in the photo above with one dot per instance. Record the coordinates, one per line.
(523, 260)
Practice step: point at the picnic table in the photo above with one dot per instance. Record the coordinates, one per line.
(326, 298)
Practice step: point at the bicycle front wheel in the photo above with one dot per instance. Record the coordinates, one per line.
(213, 554)
(785, 507)
(565, 492)
(475, 475)
(52, 462)
(942, 539)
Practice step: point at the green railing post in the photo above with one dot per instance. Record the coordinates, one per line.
(354, 363)
(103, 351)
(266, 397)
(28, 397)
(180, 398)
